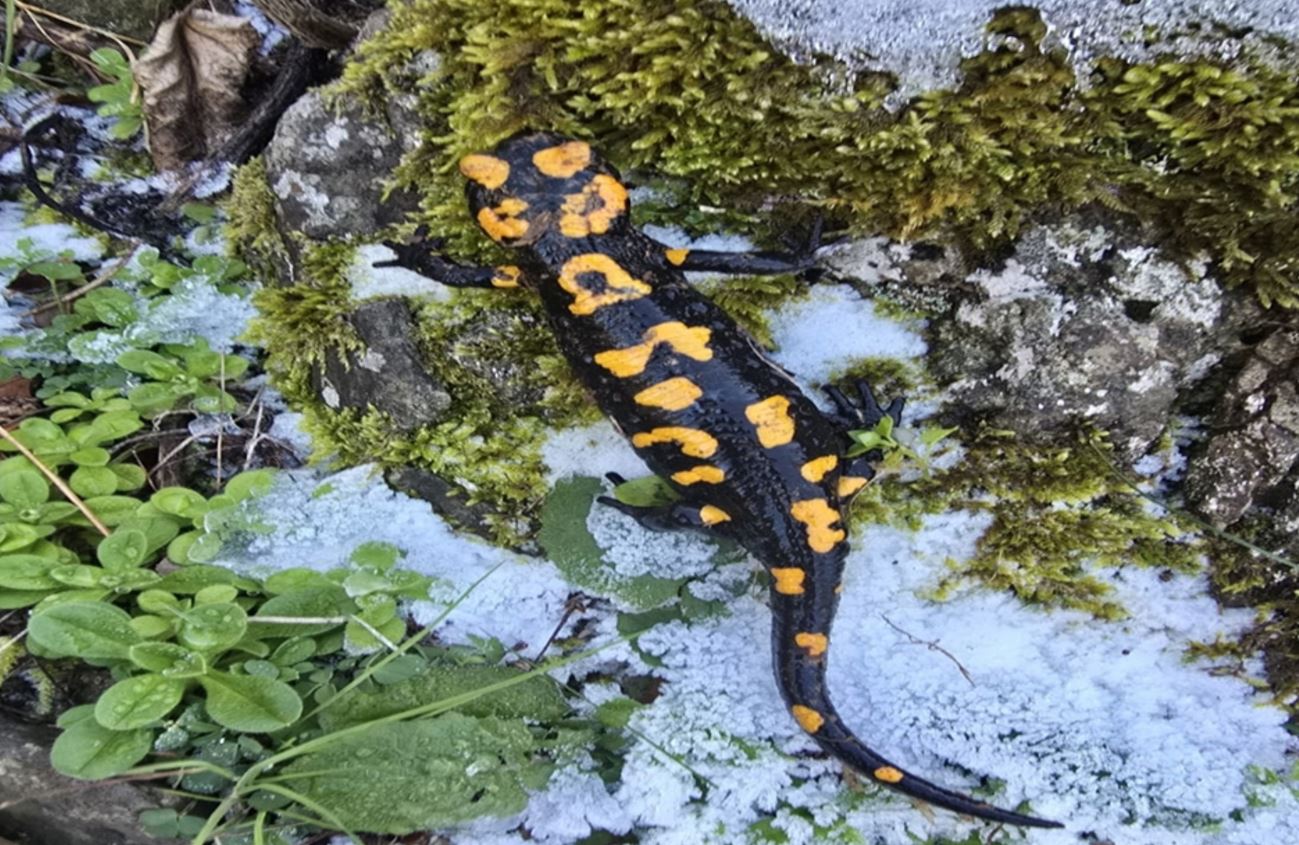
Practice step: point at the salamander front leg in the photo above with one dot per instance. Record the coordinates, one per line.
(673, 516)
(749, 263)
(421, 256)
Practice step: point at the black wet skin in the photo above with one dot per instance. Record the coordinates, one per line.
(759, 484)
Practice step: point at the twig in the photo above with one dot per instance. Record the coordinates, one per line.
(257, 433)
(162, 462)
(221, 429)
(571, 606)
(56, 481)
(932, 645)
(109, 34)
(12, 642)
(101, 279)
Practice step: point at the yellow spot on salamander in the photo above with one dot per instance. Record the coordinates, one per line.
(503, 221)
(789, 580)
(710, 515)
(564, 160)
(807, 718)
(702, 473)
(488, 171)
(676, 257)
(815, 644)
(591, 210)
(690, 341)
(615, 285)
(888, 774)
(815, 469)
(818, 516)
(506, 276)
(673, 394)
(695, 443)
(771, 418)
(850, 484)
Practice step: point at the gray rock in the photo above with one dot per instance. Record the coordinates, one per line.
(1255, 439)
(389, 374)
(327, 167)
(39, 806)
(1081, 324)
(923, 41)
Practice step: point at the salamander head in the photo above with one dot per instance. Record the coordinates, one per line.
(537, 184)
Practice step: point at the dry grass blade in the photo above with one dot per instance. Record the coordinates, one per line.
(56, 481)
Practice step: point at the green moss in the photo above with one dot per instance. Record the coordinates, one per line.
(299, 324)
(687, 94)
(1243, 578)
(250, 229)
(888, 377)
(748, 299)
(1058, 514)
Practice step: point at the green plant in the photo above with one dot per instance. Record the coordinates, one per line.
(120, 97)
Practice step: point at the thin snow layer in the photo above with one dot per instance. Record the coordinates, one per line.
(813, 354)
(591, 450)
(193, 308)
(1097, 723)
(923, 41)
(22, 243)
(368, 281)
(318, 522)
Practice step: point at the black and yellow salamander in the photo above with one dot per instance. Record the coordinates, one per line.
(750, 455)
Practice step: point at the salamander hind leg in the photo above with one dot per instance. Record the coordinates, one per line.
(865, 411)
(670, 516)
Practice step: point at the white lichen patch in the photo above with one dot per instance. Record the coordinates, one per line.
(632, 551)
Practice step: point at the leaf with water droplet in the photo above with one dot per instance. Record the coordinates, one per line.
(213, 627)
(89, 751)
(84, 629)
(138, 702)
(249, 703)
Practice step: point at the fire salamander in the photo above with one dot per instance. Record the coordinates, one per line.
(750, 455)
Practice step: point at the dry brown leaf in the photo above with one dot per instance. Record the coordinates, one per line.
(192, 76)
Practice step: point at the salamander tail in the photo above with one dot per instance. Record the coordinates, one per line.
(802, 680)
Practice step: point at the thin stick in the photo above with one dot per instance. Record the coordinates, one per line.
(257, 432)
(56, 481)
(932, 645)
(104, 277)
(109, 34)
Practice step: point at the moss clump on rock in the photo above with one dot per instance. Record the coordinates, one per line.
(690, 92)
(1058, 515)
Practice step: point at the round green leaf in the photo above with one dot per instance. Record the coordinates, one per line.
(127, 580)
(149, 364)
(213, 627)
(125, 548)
(77, 575)
(84, 629)
(169, 659)
(151, 627)
(203, 548)
(111, 510)
(254, 482)
(137, 702)
(93, 481)
(151, 397)
(157, 601)
(157, 528)
(216, 594)
(249, 703)
(24, 489)
(91, 456)
(27, 572)
(179, 501)
(89, 751)
(129, 477)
